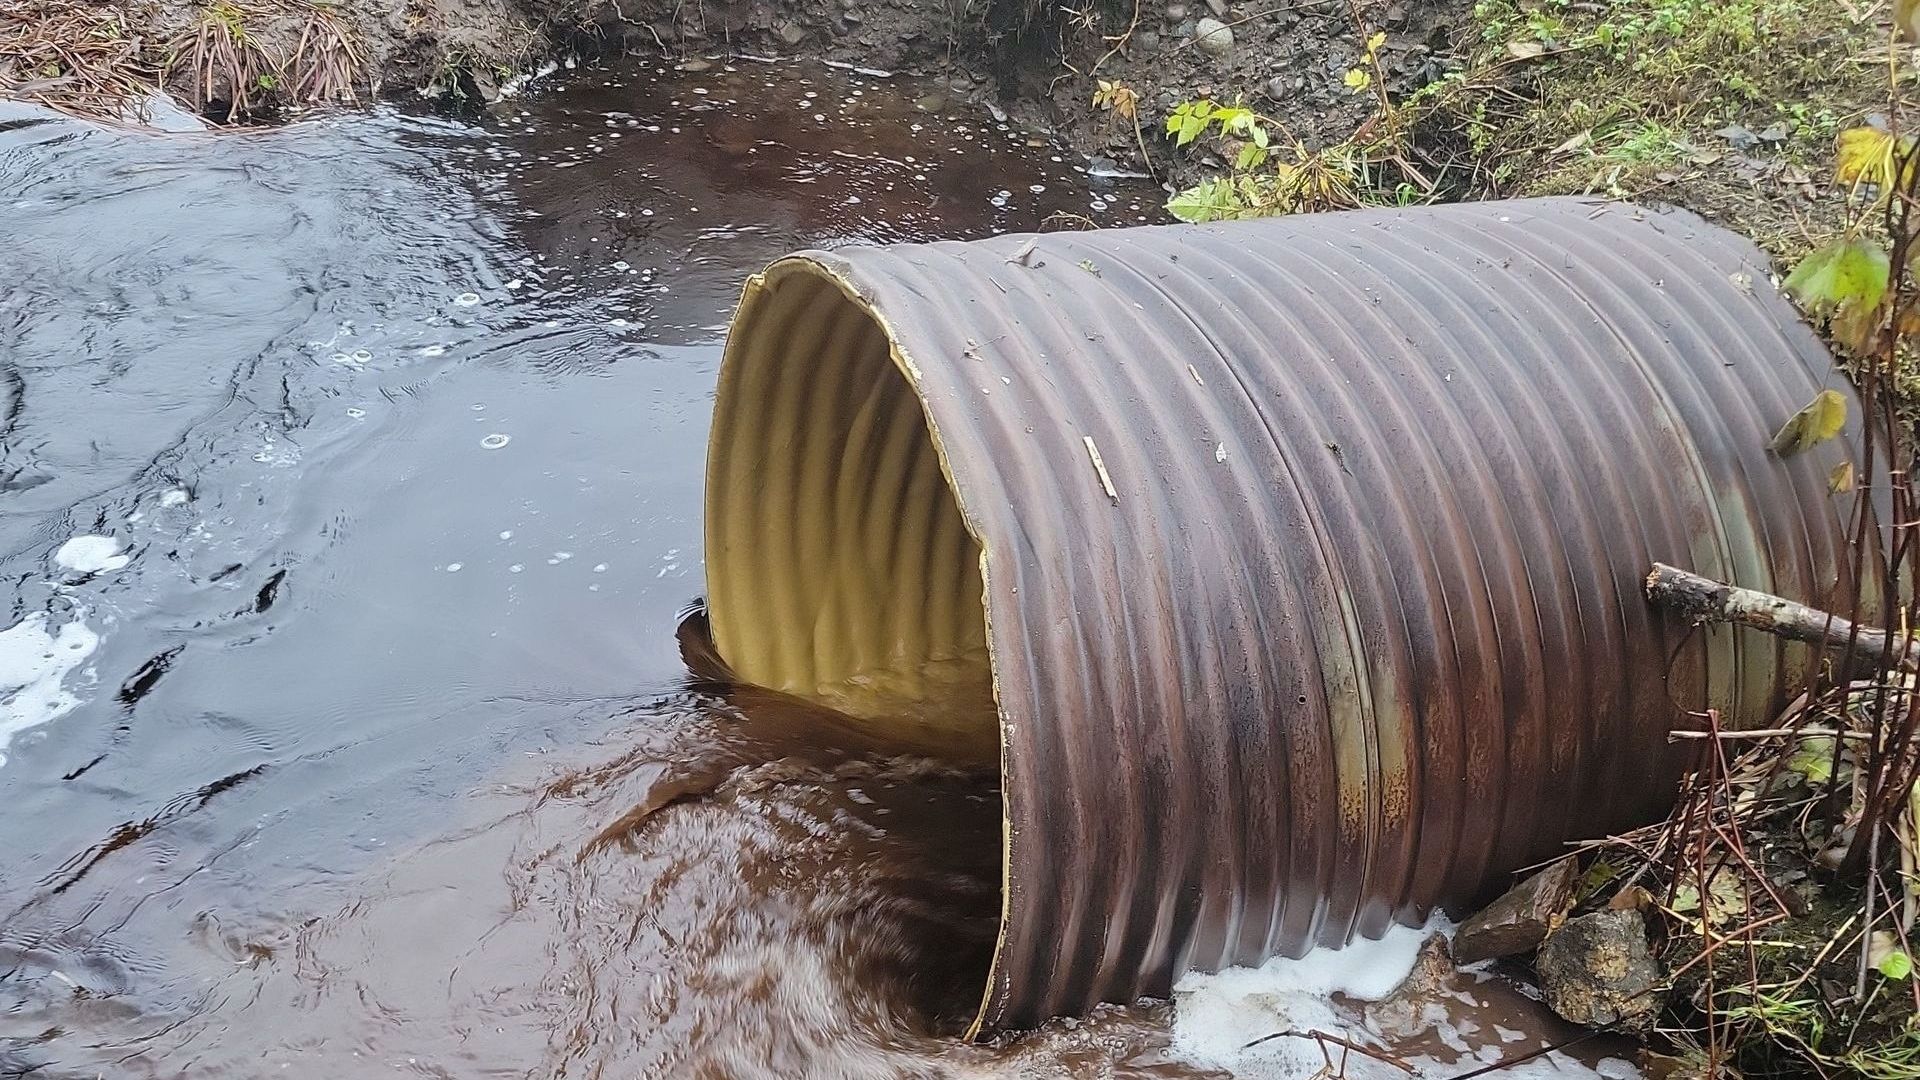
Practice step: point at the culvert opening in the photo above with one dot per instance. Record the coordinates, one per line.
(839, 568)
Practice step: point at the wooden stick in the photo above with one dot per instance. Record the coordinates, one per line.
(1704, 600)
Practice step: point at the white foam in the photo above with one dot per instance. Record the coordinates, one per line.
(1216, 1016)
(91, 554)
(34, 665)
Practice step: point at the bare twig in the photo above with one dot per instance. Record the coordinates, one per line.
(1704, 600)
(1323, 1037)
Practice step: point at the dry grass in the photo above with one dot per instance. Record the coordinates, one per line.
(238, 59)
(79, 56)
(225, 67)
(326, 64)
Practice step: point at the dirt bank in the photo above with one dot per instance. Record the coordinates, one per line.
(259, 60)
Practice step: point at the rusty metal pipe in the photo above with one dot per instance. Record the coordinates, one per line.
(1299, 560)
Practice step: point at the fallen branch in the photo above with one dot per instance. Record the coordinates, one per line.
(1704, 600)
(1771, 733)
(1323, 1038)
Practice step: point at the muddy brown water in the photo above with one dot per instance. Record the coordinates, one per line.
(356, 740)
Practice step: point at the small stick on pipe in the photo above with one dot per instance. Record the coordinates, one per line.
(1703, 600)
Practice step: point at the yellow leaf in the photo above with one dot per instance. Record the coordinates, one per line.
(1906, 19)
(1358, 79)
(1821, 420)
(1378, 39)
(1840, 480)
(1863, 155)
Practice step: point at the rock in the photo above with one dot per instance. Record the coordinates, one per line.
(792, 33)
(1218, 7)
(932, 103)
(1277, 88)
(1214, 37)
(1176, 12)
(1597, 970)
(1521, 919)
(1403, 1013)
(1147, 41)
(695, 65)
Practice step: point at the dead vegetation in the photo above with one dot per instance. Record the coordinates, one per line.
(77, 55)
(233, 60)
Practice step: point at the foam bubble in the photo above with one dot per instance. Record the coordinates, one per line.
(1216, 1016)
(91, 554)
(34, 665)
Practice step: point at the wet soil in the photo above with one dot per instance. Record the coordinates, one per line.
(352, 477)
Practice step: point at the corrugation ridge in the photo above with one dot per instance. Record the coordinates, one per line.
(1144, 339)
(853, 492)
(893, 474)
(1393, 395)
(1327, 848)
(1743, 530)
(1068, 653)
(1582, 590)
(1668, 515)
(772, 504)
(1089, 393)
(1315, 332)
(815, 463)
(1596, 490)
(1767, 336)
(1453, 317)
(1736, 526)
(1389, 711)
(1669, 408)
(1261, 664)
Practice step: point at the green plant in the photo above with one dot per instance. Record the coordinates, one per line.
(1272, 172)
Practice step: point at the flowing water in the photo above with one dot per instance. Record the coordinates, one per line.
(349, 495)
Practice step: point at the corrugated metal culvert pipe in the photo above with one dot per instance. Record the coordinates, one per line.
(1299, 559)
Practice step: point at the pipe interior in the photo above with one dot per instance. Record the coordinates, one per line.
(839, 568)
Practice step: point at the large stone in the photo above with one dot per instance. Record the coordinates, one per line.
(1407, 1011)
(1598, 970)
(1214, 37)
(1521, 919)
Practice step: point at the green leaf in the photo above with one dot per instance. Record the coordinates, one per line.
(1844, 273)
(1813, 759)
(1211, 200)
(1259, 136)
(1190, 128)
(1820, 420)
(1886, 956)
